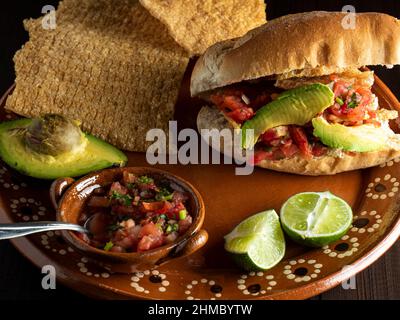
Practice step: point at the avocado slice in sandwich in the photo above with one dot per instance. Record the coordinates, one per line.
(296, 107)
(54, 146)
(363, 138)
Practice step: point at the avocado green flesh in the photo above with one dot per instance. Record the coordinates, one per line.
(294, 107)
(96, 155)
(362, 138)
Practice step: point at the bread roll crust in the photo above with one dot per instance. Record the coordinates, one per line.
(300, 45)
(211, 118)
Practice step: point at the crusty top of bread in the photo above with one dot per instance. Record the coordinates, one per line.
(300, 45)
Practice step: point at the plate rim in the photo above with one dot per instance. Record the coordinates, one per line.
(33, 254)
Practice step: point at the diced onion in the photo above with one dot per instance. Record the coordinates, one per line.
(245, 99)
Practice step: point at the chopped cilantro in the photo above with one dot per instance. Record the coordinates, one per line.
(145, 180)
(130, 186)
(182, 214)
(339, 101)
(108, 246)
(164, 194)
(126, 199)
(353, 103)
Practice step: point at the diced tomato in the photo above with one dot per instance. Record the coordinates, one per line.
(166, 207)
(174, 211)
(152, 206)
(340, 88)
(232, 104)
(149, 229)
(356, 100)
(118, 188)
(300, 138)
(149, 242)
(276, 142)
(241, 115)
(372, 114)
(376, 123)
(319, 150)
(366, 95)
(288, 148)
(269, 136)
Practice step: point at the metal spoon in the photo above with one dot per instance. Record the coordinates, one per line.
(15, 230)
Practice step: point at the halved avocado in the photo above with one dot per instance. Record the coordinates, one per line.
(362, 138)
(94, 154)
(297, 106)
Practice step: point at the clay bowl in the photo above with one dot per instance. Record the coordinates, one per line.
(69, 198)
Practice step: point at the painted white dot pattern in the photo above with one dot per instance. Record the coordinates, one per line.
(7, 183)
(382, 188)
(159, 279)
(27, 209)
(260, 281)
(374, 222)
(342, 250)
(204, 282)
(302, 270)
(49, 242)
(82, 265)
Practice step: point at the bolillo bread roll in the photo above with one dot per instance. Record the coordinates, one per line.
(295, 49)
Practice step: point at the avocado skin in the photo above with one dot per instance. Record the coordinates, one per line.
(364, 138)
(97, 155)
(293, 107)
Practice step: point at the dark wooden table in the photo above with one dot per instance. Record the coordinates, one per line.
(20, 280)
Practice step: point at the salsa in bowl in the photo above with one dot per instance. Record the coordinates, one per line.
(136, 214)
(137, 217)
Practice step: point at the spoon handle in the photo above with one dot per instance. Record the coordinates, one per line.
(15, 230)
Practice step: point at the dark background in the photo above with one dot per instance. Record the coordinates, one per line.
(20, 280)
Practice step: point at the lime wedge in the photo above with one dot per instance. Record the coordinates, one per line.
(316, 218)
(257, 243)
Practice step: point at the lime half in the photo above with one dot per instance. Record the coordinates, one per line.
(316, 218)
(257, 243)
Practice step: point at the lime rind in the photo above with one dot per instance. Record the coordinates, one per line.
(258, 242)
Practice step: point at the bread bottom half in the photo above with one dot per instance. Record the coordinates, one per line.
(212, 118)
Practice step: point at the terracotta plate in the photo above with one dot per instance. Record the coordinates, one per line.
(209, 273)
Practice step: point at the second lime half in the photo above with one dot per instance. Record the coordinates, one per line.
(316, 218)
